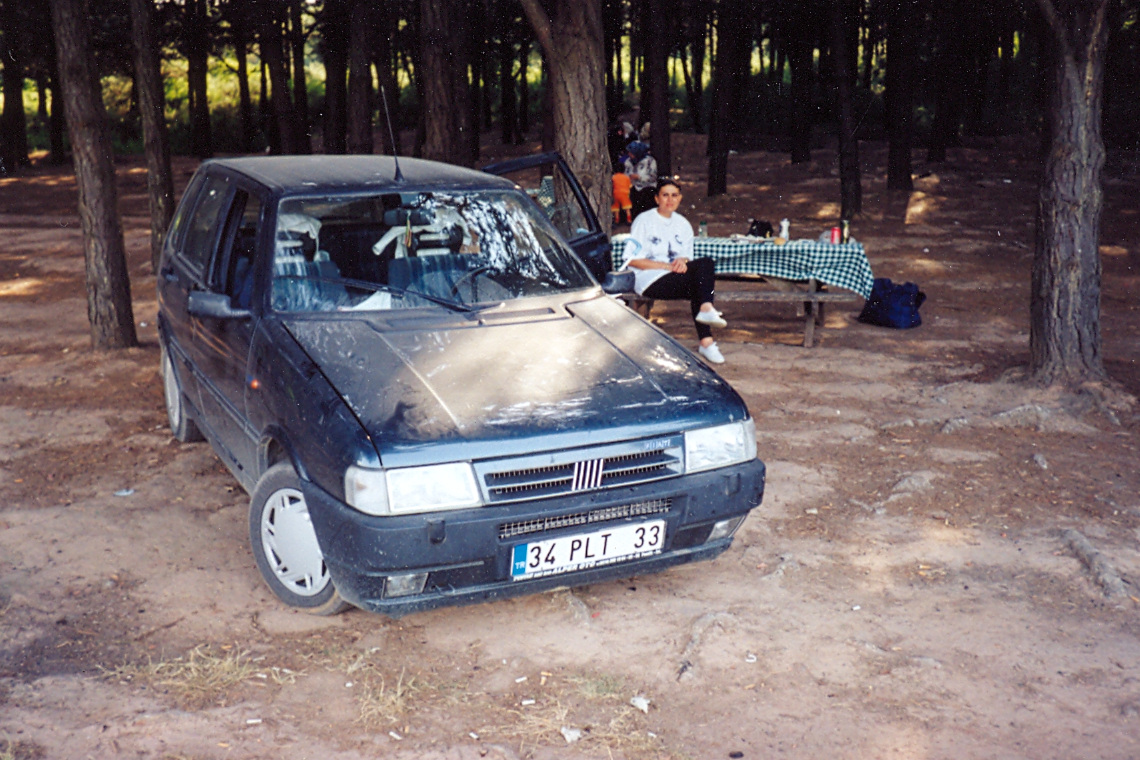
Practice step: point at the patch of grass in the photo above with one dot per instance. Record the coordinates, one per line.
(599, 687)
(21, 750)
(384, 704)
(201, 677)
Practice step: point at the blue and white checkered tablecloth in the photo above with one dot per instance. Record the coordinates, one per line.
(841, 266)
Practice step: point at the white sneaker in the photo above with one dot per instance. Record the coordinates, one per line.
(712, 318)
(711, 353)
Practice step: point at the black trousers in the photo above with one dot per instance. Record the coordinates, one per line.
(696, 285)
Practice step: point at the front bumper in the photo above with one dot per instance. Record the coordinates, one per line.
(468, 560)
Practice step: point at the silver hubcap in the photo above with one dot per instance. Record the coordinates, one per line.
(173, 397)
(290, 543)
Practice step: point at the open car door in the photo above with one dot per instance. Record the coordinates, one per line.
(547, 179)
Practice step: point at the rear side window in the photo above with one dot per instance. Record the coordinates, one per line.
(202, 234)
(185, 206)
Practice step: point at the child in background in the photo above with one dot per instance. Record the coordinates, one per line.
(622, 207)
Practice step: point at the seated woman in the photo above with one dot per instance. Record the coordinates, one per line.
(660, 250)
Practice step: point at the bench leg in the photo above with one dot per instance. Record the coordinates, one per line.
(809, 325)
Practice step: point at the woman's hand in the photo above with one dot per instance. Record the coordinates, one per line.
(679, 265)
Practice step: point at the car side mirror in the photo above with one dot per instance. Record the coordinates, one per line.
(203, 303)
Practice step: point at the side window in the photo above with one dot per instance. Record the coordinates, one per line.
(202, 234)
(233, 268)
(185, 206)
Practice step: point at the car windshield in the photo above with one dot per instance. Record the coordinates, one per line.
(414, 250)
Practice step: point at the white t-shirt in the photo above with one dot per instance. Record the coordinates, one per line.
(656, 238)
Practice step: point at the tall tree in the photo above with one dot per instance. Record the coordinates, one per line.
(902, 54)
(571, 38)
(108, 282)
(656, 57)
(240, 31)
(1064, 325)
(949, 77)
(273, 55)
(732, 41)
(801, 23)
(850, 182)
(13, 124)
(386, 25)
(301, 127)
(445, 110)
(334, 50)
(508, 104)
(360, 79)
(196, 37)
(149, 91)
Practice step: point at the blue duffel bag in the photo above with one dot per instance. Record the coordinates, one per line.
(893, 305)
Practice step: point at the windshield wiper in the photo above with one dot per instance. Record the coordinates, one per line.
(375, 286)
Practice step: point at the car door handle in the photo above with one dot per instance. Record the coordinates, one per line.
(169, 274)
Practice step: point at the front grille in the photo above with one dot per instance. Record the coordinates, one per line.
(566, 472)
(606, 514)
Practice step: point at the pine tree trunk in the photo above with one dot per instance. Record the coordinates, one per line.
(950, 74)
(152, 105)
(108, 282)
(508, 110)
(572, 40)
(524, 90)
(245, 101)
(729, 27)
(446, 90)
(390, 143)
(197, 60)
(273, 54)
(697, 56)
(1064, 326)
(14, 131)
(901, 60)
(360, 79)
(655, 61)
(56, 123)
(803, 81)
(850, 180)
(302, 130)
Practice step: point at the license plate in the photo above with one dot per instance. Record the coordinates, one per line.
(569, 553)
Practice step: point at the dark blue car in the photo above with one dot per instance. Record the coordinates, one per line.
(426, 392)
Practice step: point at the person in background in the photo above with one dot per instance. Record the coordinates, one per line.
(660, 252)
(621, 208)
(642, 170)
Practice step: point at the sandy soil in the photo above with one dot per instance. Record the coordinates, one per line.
(903, 591)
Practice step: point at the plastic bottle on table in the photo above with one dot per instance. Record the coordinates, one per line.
(784, 228)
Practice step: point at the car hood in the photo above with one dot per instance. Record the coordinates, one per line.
(592, 373)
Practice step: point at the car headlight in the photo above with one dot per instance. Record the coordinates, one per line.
(412, 489)
(709, 448)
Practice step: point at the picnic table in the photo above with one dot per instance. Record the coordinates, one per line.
(807, 262)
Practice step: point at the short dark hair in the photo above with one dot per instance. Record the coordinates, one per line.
(663, 183)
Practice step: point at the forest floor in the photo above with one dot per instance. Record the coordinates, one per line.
(904, 590)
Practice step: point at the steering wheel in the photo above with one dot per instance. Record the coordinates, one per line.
(468, 275)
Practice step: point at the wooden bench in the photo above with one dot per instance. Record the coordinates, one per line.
(809, 302)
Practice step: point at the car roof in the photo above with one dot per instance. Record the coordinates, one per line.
(322, 173)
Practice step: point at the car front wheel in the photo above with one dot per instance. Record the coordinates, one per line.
(285, 544)
(181, 426)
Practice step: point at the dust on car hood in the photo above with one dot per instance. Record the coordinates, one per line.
(472, 382)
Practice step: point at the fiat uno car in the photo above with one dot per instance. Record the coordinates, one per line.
(427, 394)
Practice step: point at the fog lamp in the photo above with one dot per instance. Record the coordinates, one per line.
(404, 585)
(725, 528)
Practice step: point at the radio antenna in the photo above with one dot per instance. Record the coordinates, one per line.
(391, 135)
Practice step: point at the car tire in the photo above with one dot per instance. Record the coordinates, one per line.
(285, 544)
(181, 426)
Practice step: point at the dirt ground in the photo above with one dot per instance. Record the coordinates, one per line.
(903, 591)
